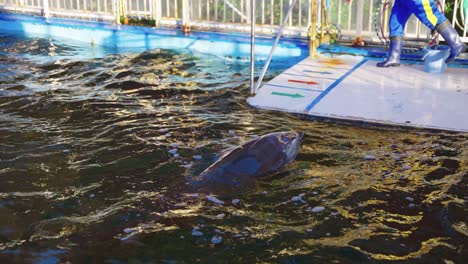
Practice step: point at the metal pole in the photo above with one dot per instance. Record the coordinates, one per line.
(313, 29)
(151, 10)
(158, 12)
(45, 8)
(185, 16)
(252, 46)
(280, 32)
(359, 17)
(120, 10)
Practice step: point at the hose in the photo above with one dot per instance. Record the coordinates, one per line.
(463, 13)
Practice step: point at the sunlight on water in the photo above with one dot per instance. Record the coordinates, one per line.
(96, 154)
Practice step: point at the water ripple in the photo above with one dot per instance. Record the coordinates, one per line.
(88, 169)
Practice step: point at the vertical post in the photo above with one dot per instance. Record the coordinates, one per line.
(313, 29)
(253, 20)
(115, 11)
(216, 10)
(349, 15)
(465, 23)
(455, 6)
(185, 16)
(248, 10)
(371, 8)
(151, 9)
(359, 17)
(323, 20)
(138, 9)
(157, 12)
(272, 12)
(339, 12)
(281, 10)
(168, 9)
(242, 10)
(224, 12)
(184, 11)
(300, 13)
(45, 8)
(208, 10)
(263, 12)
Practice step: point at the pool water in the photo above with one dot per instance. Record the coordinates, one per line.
(86, 173)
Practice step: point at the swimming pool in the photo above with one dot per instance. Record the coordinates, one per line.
(87, 172)
(103, 38)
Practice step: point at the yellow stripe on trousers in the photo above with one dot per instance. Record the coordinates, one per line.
(430, 15)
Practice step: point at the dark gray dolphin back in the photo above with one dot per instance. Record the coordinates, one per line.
(258, 157)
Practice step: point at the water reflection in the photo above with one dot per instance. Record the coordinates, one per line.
(88, 171)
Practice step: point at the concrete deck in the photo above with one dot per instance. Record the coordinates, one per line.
(353, 88)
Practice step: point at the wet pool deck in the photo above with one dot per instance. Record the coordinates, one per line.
(353, 88)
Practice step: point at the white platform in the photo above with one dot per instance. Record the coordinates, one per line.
(353, 88)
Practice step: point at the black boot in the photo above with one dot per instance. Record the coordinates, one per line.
(453, 40)
(394, 53)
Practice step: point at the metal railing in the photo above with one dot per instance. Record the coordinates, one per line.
(100, 10)
(460, 17)
(357, 18)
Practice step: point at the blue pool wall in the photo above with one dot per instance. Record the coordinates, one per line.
(100, 39)
(105, 38)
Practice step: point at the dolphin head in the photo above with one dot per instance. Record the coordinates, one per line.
(238, 166)
(290, 143)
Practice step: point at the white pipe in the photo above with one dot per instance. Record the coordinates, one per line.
(280, 32)
(359, 17)
(45, 8)
(252, 45)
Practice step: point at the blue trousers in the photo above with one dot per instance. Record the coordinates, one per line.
(424, 10)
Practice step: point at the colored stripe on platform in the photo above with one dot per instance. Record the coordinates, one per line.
(309, 76)
(333, 85)
(344, 67)
(294, 88)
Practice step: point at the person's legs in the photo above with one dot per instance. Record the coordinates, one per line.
(427, 12)
(398, 18)
(453, 40)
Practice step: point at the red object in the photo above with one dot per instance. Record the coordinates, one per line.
(298, 81)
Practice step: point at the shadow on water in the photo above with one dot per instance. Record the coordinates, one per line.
(95, 155)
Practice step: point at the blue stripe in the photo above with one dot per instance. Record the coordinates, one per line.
(333, 85)
(295, 74)
(294, 88)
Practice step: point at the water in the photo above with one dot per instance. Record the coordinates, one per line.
(86, 174)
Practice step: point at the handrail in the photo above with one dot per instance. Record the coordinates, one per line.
(237, 10)
(253, 20)
(275, 44)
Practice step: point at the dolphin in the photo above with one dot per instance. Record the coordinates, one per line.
(258, 157)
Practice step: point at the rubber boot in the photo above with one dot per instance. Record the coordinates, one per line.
(453, 40)
(394, 53)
